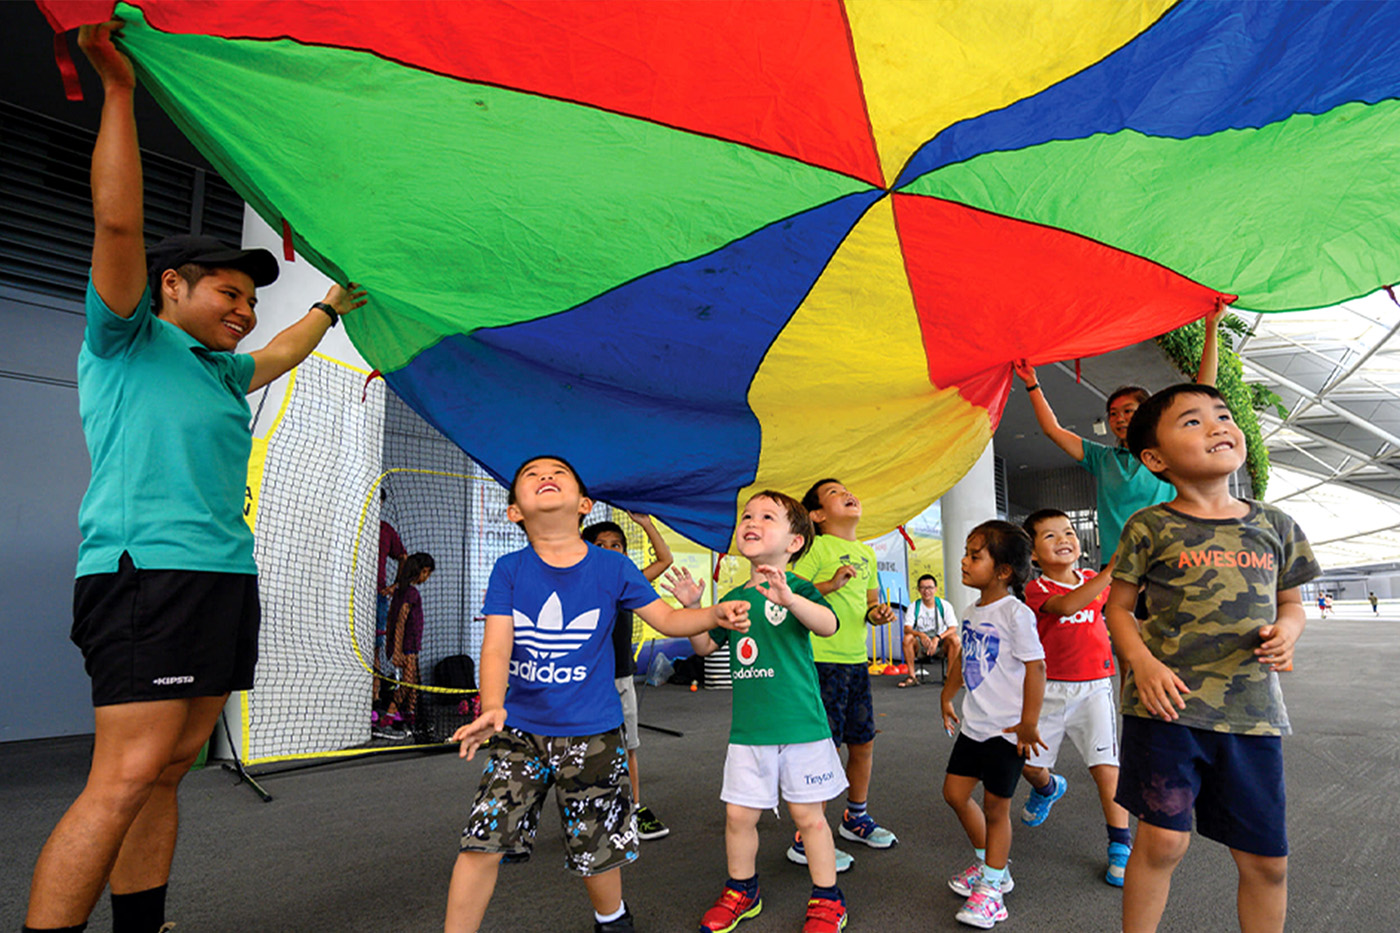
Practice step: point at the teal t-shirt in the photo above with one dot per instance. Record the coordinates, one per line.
(1124, 486)
(167, 427)
(777, 700)
(819, 564)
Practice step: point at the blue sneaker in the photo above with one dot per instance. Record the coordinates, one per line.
(864, 829)
(1117, 863)
(1037, 809)
(798, 853)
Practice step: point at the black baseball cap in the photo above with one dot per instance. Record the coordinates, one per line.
(176, 251)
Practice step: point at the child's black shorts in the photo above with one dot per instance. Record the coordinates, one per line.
(995, 763)
(166, 634)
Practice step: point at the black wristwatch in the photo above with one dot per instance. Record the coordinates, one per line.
(329, 309)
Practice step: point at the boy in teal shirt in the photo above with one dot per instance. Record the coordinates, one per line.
(844, 572)
(778, 737)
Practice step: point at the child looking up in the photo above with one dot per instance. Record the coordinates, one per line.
(1123, 484)
(405, 636)
(1068, 606)
(1203, 715)
(778, 737)
(549, 612)
(609, 535)
(843, 570)
(1003, 667)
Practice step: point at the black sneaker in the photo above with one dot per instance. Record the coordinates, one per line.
(622, 924)
(648, 826)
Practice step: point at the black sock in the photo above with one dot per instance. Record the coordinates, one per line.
(745, 886)
(832, 893)
(1123, 836)
(139, 912)
(77, 929)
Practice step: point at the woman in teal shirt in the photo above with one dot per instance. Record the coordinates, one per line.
(1124, 484)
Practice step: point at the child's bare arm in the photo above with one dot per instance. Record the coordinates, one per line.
(1027, 731)
(843, 575)
(1062, 438)
(951, 686)
(1158, 686)
(658, 544)
(1280, 638)
(682, 623)
(1067, 604)
(118, 243)
(703, 645)
(820, 620)
(496, 643)
(876, 612)
(1210, 352)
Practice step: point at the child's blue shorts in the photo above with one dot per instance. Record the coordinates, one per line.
(846, 696)
(1233, 782)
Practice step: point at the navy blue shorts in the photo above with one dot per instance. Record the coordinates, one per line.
(1233, 782)
(995, 762)
(846, 696)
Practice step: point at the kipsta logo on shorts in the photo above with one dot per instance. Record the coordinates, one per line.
(549, 637)
(746, 651)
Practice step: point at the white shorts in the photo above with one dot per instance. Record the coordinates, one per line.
(627, 690)
(807, 772)
(1082, 710)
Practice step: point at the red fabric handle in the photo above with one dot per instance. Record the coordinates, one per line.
(376, 374)
(63, 58)
(288, 252)
(908, 540)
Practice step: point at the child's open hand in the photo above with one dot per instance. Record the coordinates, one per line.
(641, 518)
(1026, 371)
(774, 586)
(1027, 738)
(1160, 689)
(733, 615)
(843, 575)
(1222, 308)
(1276, 649)
(479, 730)
(680, 584)
(346, 298)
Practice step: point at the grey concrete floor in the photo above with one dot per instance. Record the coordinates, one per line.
(369, 846)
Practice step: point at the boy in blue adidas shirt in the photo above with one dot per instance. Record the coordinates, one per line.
(549, 612)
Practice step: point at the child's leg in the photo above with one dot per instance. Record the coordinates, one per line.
(860, 761)
(997, 819)
(1156, 853)
(605, 891)
(741, 841)
(633, 777)
(1263, 893)
(1106, 777)
(816, 836)
(410, 675)
(473, 880)
(957, 791)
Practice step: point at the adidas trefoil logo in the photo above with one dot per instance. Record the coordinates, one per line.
(550, 637)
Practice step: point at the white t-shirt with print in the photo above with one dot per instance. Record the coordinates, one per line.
(997, 641)
(927, 619)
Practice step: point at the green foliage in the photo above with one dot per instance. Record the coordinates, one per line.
(1184, 346)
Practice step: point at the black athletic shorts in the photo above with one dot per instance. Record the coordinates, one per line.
(995, 763)
(166, 634)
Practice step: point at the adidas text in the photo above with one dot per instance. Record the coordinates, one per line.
(547, 673)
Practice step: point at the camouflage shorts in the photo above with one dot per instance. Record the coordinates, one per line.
(591, 787)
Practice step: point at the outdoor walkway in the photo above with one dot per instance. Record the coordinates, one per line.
(368, 847)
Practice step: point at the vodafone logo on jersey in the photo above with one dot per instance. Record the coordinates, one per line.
(746, 653)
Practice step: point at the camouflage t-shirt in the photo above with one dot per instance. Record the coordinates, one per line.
(1210, 585)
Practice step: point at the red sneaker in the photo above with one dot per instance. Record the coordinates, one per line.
(824, 916)
(730, 910)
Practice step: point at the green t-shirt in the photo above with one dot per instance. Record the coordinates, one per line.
(819, 564)
(776, 697)
(1124, 486)
(1210, 584)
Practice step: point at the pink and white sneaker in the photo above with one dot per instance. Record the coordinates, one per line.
(984, 909)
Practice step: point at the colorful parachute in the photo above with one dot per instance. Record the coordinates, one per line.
(706, 247)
